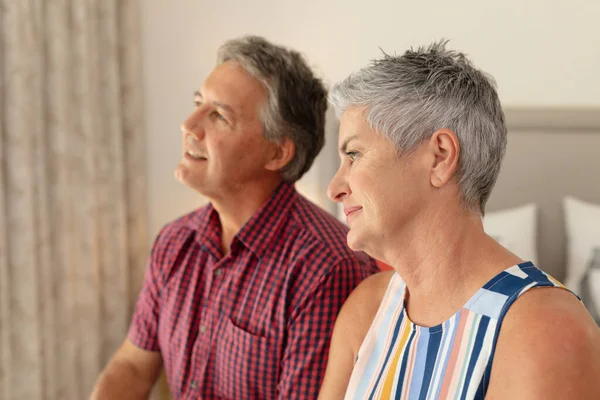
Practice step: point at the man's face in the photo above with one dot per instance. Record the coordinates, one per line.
(224, 148)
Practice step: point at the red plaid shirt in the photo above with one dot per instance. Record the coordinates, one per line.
(256, 323)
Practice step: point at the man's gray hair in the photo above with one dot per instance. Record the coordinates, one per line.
(407, 98)
(297, 99)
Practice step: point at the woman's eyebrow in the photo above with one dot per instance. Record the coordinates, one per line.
(344, 145)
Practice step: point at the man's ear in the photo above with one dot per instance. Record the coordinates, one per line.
(445, 148)
(282, 154)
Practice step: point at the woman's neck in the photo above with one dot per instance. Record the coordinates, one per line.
(445, 269)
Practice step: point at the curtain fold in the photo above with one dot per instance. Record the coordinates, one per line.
(73, 209)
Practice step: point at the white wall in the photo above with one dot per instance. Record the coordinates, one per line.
(541, 52)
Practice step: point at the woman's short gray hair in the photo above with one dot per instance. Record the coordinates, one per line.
(407, 98)
(297, 99)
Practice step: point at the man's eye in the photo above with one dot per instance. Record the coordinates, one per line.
(197, 103)
(217, 115)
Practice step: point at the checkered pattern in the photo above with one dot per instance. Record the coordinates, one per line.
(256, 323)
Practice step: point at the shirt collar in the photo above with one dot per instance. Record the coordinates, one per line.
(208, 229)
(257, 233)
(262, 227)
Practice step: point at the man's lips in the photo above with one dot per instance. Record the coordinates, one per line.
(192, 149)
(190, 154)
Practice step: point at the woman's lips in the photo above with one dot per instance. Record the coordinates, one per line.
(351, 211)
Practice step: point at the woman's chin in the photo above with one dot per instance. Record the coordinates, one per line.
(354, 241)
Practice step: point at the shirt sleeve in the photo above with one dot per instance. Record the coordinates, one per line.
(143, 331)
(310, 328)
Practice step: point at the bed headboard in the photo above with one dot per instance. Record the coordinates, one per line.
(551, 153)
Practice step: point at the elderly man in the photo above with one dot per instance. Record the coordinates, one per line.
(240, 296)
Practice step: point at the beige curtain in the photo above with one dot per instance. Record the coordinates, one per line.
(73, 234)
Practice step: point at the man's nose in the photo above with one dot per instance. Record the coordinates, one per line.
(193, 124)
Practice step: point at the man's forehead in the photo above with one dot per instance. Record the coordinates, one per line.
(234, 76)
(231, 84)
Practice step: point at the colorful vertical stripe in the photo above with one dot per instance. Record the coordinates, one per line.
(401, 360)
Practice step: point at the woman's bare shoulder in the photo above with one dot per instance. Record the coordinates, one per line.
(368, 294)
(351, 327)
(548, 345)
(375, 284)
(360, 308)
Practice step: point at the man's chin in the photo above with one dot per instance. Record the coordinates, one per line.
(182, 172)
(183, 175)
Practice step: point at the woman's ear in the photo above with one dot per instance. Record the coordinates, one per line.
(283, 153)
(445, 148)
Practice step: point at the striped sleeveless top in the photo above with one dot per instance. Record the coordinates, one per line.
(453, 360)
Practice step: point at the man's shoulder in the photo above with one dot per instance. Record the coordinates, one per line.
(314, 224)
(318, 247)
(172, 240)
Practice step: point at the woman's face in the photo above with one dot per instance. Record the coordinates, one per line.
(382, 193)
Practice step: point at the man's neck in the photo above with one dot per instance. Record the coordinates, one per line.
(236, 209)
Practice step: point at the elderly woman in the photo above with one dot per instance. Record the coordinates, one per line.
(421, 140)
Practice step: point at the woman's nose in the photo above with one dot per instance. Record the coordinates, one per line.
(338, 187)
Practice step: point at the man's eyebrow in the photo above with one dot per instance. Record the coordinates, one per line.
(224, 106)
(344, 145)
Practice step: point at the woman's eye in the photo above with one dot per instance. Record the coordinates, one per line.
(352, 155)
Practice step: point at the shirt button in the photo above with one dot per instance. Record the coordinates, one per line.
(218, 272)
(203, 329)
(194, 384)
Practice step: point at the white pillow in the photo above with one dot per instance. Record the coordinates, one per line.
(589, 287)
(515, 229)
(582, 221)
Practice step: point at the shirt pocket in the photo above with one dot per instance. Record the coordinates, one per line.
(247, 365)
